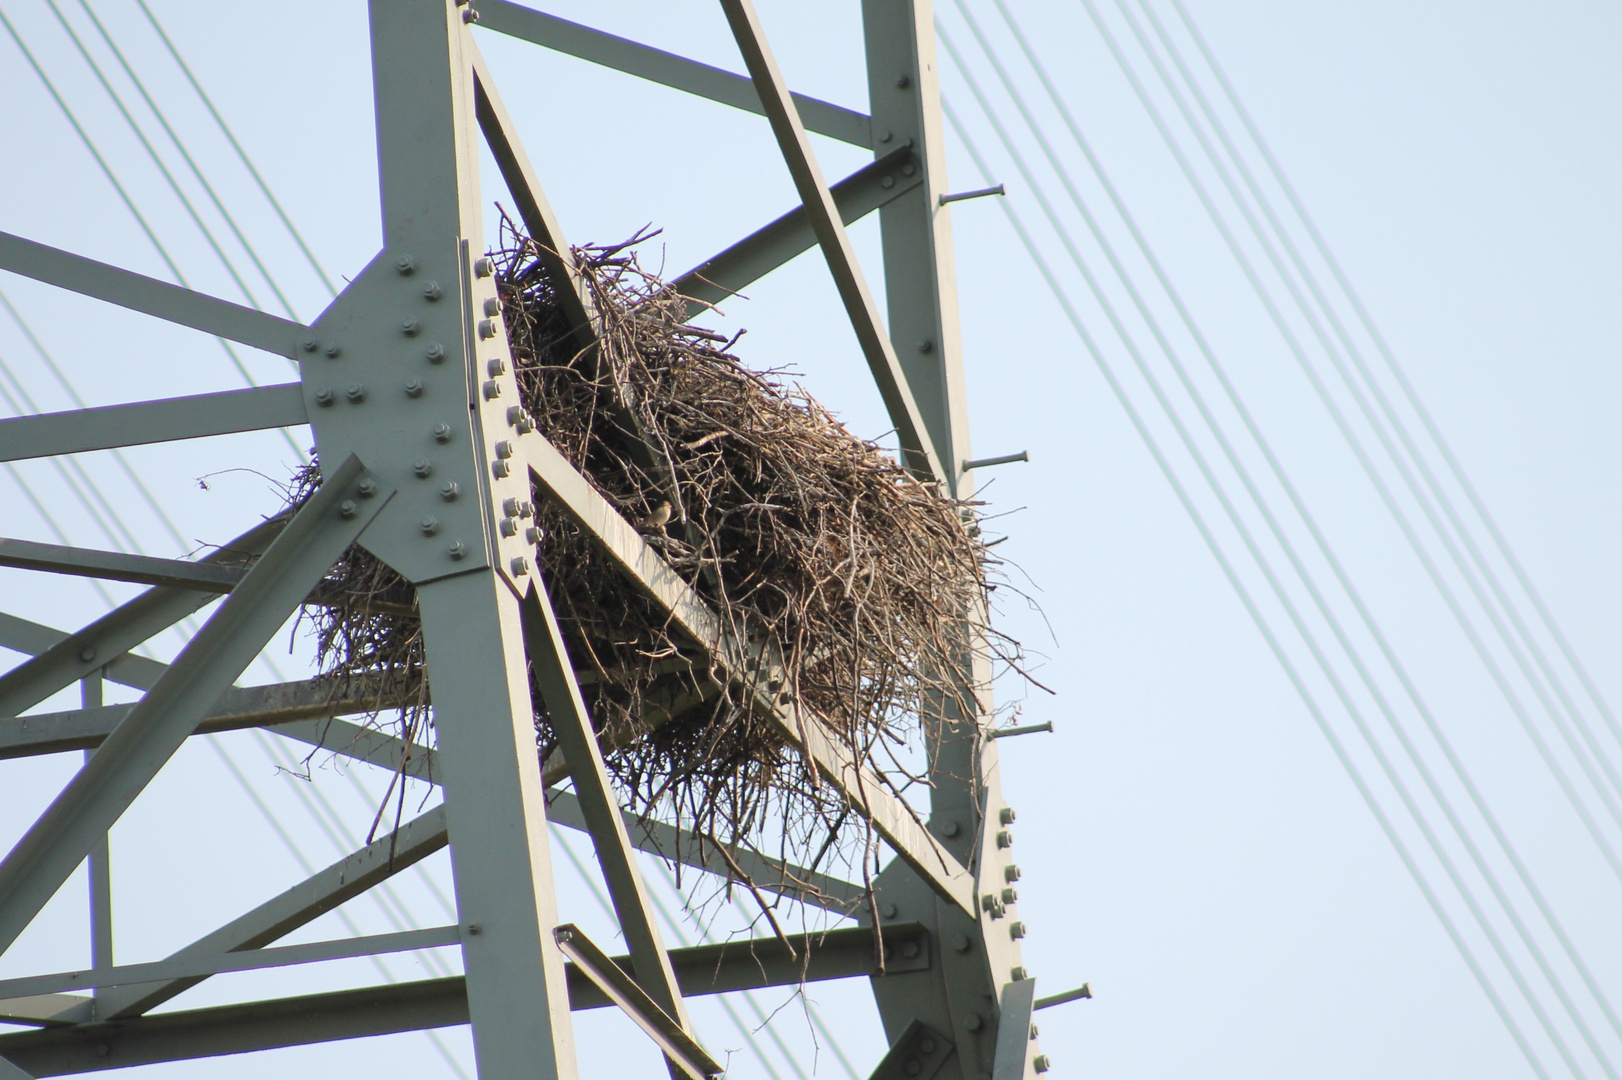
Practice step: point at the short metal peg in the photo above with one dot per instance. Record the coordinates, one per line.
(1006, 816)
(1005, 838)
(532, 535)
(1018, 974)
(1016, 930)
(1010, 873)
(1010, 895)
(509, 507)
(87, 654)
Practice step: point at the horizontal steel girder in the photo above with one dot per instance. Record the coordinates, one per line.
(167, 420)
(150, 296)
(758, 254)
(382, 1010)
(667, 69)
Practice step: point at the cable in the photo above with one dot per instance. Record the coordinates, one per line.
(1493, 668)
(1342, 577)
(1249, 603)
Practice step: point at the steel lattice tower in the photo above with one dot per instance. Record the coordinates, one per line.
(424, 317)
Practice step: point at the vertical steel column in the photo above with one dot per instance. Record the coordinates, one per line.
(976, 958)
(100, 861)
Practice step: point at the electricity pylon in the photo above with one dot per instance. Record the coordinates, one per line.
(407, 381)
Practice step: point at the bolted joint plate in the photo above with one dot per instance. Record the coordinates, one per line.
(395, 372)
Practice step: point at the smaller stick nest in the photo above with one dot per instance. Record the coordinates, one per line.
(868, 582)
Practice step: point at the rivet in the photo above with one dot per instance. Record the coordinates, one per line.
(909, 949)
(432, 291)
(449, 490)
(500, 468)
(405, 264)
(310, 344)
(367, 488)
(887, 136)
(496, 366)
(474, 929)
(487, 329)
(422, 467)
(457, 550)
(509, 526)
(888, 911)
(410, 327)
(323, 396)
(973, 1022)
(492, 389)
(914, 1066)
(436, 353)
(87, 654)
(520, 566)
(492, 306)
(926, 1045)
(887, 182)
(961, 943)
(908, 168)
(413, 388)
(347, 509)
(442, 433)
(1005, 838)
(951, 828)
(903, 81)
(532, 535)
(355, 392)
(429, 526)
(504, 449)
(926, 346)
(484, 267)
(334, 350)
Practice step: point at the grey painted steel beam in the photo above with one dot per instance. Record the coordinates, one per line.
(56, 843)
(9, 1070)
(47, 1010)
(105, 642)
(668, 842)
(625, 546)
(918, 449)
(919, 1054)
(197, 967)
(554, 676)
(667, 69)
(1014, 1031)
(167, 420)
(281, 915)
(117, 566)
(414, 1006)
(150, 296)
(758, 254)
(668, 1033)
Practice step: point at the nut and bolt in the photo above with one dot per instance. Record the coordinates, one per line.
(410, 327)
(429, 526)
(457, 550)
(449, 490)
(909, 949)
(442, 433)
(487, 329)
(504, 449)
(87, 654)
(347, 509)
(436, 353)
(501, 469)
(405, 264)
(1041, 1064)
(323, 396)
(532, 535)
(1010, 895)
(914, 1067)
(310, 344)
(492, 389)
(903, 81)
(1016, 930)
(887, 182)
(509, 507)
(1010, 872)
(470, 17)
(509, 526)
(1005, 838)
(1006, 816)
(496, 366)
(413, 388)
(484, 267)
(355, 392)
(422, 467)
(367, 487)
(432, 291)
(519, 565)
(492, 306)
(888, 911)
(1018, 974)
(334, 350)
(950, 828)
(973, 1022)
(961, 943)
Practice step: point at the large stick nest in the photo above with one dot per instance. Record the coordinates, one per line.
(869, 582)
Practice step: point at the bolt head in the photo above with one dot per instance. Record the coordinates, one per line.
(926, 346)
(519, 565)
(405, 264)
(509, 507)
(504, 449)
(484, 267)
(432, 291)
(914, 1067)
(470, 16)
(347, 509)
(909, 949)
(410, 327)
(1006, 815)
(1005, 838)
(310, 344)
(886, 136)
(87, 654)
(442, 433)
(509, 526)
(973, 1022)
(492, 389)
(324, 396)
(1041, 1064)
(1010, 895)
(1016, 930)
(367, 488)
(429, 526)
(532, 535)
(1010, 872)
(908, 169)
(1018, 974)
(961, 943)
(413, 388)
(888, 911)
(436, 353)
(926, 1045)
(492, 306)
(950, 828)
(449, 490)
(355, 392)
(422, 467)
(501, 469)
(903, 81)
(887, 182)
(334, 350)
(487, 329)
(496, 366)
(457, 550)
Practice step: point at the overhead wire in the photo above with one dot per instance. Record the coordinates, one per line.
(1398, 728)
(1400, 376)
(1392, 775)
(1607, 795)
